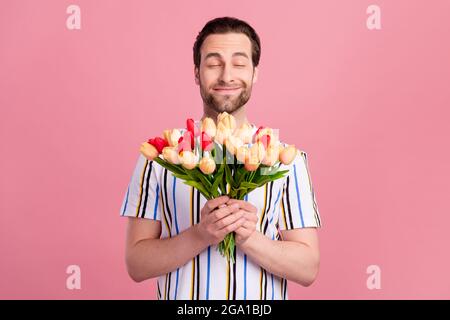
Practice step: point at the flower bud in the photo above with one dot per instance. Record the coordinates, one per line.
(272, 154)
(251, 163)
(233, 143)
(287, 155)
(227, 121)
(207, 165)
(242, 154)
(244, 132)
(172, 137)
(257, 152)
(188, 160)
(170, 154)
(209, 127)
(149, 151)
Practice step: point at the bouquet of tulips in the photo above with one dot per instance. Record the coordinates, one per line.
(221, 159)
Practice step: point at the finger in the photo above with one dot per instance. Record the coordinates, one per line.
(248, 225)
(213, 204)
(229, 219)
(232, 227)
(250, 216)
(243, 205)
(223, 212)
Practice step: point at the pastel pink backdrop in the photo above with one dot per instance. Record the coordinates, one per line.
(370, 108)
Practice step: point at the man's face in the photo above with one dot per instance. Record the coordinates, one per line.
(226, 74)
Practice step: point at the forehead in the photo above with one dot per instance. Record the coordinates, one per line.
(226, 44)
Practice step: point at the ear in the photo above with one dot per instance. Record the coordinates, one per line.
(255, 75)
(197, 76)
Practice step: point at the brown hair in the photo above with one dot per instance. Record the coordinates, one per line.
(226, 25)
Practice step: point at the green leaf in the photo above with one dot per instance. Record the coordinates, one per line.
(228, 175)
(199, 187)
(217, 180)
(246, 184)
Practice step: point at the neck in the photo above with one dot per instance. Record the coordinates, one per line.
(240, 115)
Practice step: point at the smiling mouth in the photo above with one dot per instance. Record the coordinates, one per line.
(226, 90)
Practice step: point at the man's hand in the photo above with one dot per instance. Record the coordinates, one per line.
(218, 219)
(251, 218)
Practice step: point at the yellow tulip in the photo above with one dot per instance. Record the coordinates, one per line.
(287, 155)
(149, 151)
(257, 152)
(242, 154)
(222, 133)
(233, 144)
(188, 160)
(272, 154)
(251, 163)
(209, 127)
(207, 165)
(171, 155)
(172, 136)
(227, 121)
(244, 132)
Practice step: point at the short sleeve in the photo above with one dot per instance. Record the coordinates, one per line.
(141, 199)
(298, 203)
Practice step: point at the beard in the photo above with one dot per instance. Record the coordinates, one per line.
(225, 103)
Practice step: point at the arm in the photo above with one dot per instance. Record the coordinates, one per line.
(143, 246)
(148, 256)
(295, 258)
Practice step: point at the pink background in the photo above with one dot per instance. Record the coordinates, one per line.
(370, 108)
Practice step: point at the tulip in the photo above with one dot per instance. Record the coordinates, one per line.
(170, 154)
(207, 165)
(226, 120)
(261, 132)
(209, 127)
(251, 163)
(192, 128)
(272, 154)
(257, 152)
(244, 132)
(186, 142)
(149, 151)
(242, 154)
(265, 140)
(172, 137)
(158, 143)
(287, 155)
(233, 144)
(207, 143)
(222, 134)
(188, 160)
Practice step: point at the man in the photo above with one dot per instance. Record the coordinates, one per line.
(173, 231)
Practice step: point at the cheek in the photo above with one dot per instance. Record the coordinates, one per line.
(209, 77)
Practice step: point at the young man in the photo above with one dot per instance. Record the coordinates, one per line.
(173, 231)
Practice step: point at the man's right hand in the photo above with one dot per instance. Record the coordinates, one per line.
(219, 219)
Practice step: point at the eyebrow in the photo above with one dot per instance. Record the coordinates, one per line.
(217, 55)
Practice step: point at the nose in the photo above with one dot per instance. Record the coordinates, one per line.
(226, 76)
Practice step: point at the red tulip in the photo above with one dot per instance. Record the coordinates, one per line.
(158, 143)
(207, 143)
(192, 128)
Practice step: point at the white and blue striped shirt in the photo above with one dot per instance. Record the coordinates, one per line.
(287, 203)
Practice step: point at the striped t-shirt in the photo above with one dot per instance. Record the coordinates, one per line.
(287, 203)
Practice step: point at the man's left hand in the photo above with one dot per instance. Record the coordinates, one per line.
(243, 233)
